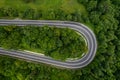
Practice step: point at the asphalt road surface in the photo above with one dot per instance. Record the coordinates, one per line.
(74, 64)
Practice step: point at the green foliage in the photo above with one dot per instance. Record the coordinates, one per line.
(48, 40)
(104, 18)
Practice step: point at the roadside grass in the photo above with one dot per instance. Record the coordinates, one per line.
(90, 25)
(68, 6)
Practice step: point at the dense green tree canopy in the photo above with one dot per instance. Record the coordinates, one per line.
(59, 43)
(102, 16)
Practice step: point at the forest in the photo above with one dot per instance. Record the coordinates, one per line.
(58, 43)
(102, 16)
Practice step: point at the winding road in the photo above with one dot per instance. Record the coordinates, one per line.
(85, 31)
